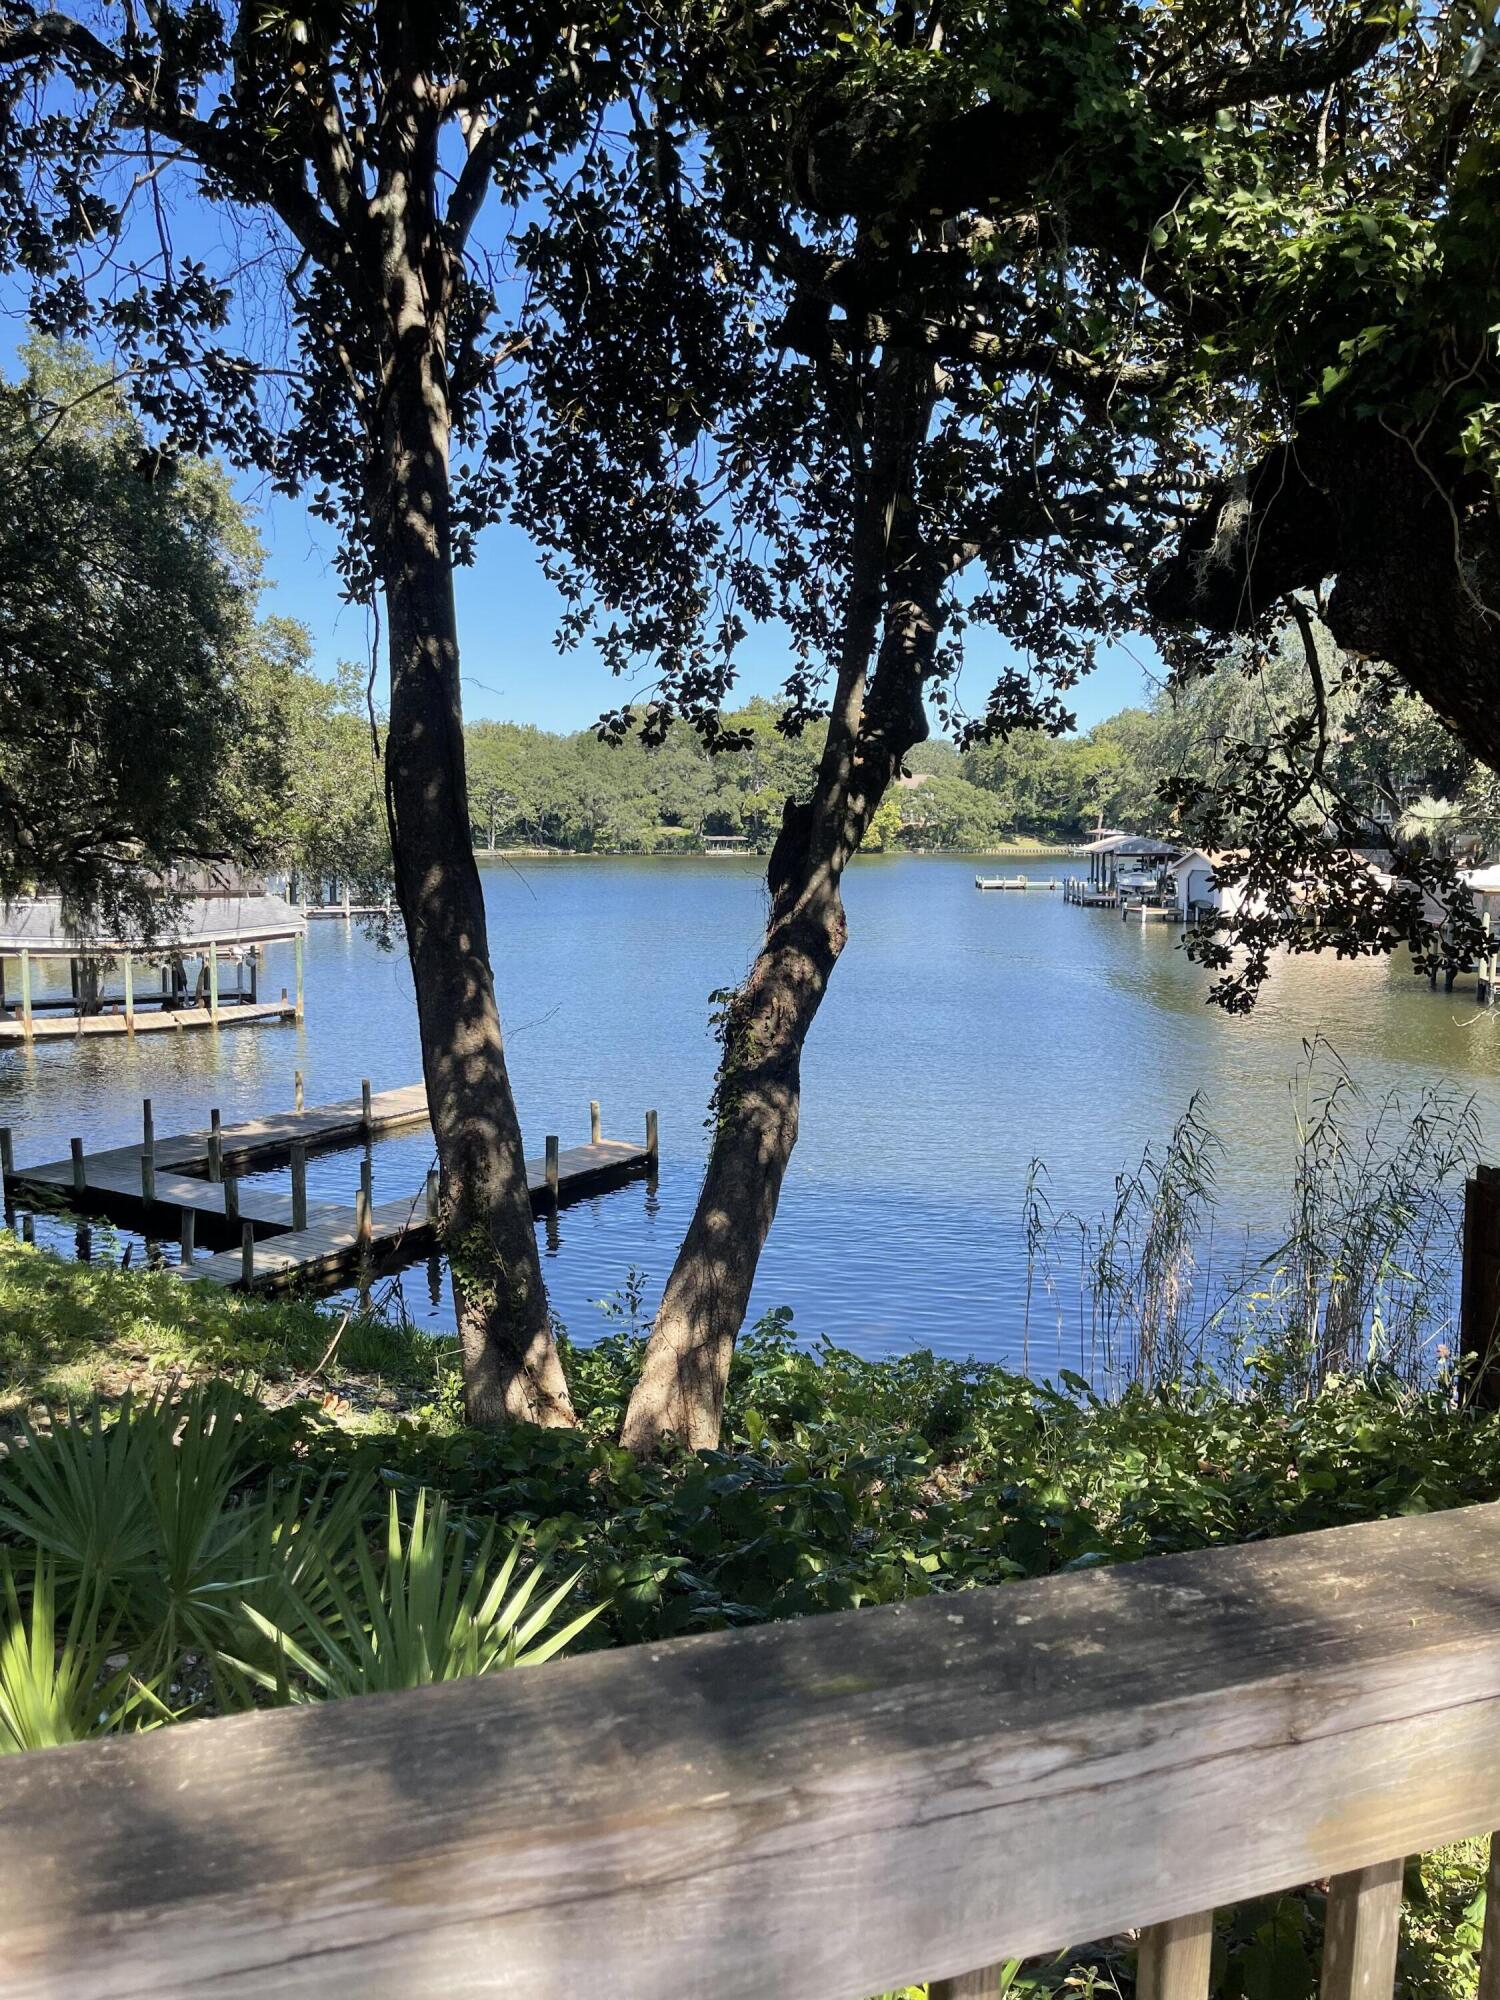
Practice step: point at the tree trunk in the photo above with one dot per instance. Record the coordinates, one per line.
(512, 1369)
(757, 1097)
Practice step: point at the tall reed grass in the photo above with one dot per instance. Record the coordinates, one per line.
(1362, 1274)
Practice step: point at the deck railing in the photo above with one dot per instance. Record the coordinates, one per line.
(824, 1808)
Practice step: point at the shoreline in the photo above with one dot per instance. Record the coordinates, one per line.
(1027, 852)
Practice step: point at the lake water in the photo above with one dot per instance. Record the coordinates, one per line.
(964, 1035)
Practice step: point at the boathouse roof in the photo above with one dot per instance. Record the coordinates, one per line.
(1140, 846)
(37, 925)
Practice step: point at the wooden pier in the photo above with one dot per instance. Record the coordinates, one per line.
(281, 1239)
(231, 1013)
(1015, 882)
(1087, 896)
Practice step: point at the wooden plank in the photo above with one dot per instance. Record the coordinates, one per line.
(821, 1809)
(1362, 1933)
(1177, 1958)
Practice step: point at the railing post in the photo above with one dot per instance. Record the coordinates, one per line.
(1489, 1950)
(1362, 1932)
(1176, 1958)
(1479, 1309)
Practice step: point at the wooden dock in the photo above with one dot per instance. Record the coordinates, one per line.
(282, 1239)
(1088, 896)
(1015, 882)
(231, 1014)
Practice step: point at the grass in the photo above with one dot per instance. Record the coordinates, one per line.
(72, 1331)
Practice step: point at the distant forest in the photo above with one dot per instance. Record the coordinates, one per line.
(573, 793)
(1390, 756)
(528, 788)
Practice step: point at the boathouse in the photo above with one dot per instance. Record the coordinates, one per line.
(207, 937)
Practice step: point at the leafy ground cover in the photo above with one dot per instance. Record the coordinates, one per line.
(841, 1482)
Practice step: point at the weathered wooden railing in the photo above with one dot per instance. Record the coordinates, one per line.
(825, 1808)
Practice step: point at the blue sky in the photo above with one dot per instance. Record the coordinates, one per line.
(508, 614)
(508, 611)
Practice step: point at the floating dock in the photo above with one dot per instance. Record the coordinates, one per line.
(1014, 882)
(172, 1185)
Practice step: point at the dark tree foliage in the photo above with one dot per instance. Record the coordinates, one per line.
(134, 738)
(337, 339)
(920, 379)
(1354, 298)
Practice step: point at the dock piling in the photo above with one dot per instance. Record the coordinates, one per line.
(596, 1128)
(7, 1153)
(299, 1184)
(297, 1094)
(247, 1256)
(366, 1117)
(148, 1128)
(307, 1236)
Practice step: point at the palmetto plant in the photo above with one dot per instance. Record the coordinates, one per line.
(154, 1535)
(53, 1686)
(418, 1613)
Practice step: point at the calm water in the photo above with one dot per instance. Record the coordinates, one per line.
(964, 1035)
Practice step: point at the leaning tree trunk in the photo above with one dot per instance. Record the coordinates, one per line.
(758, 1092)
(512, 1369)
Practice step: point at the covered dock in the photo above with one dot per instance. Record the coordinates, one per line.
(187, 969)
